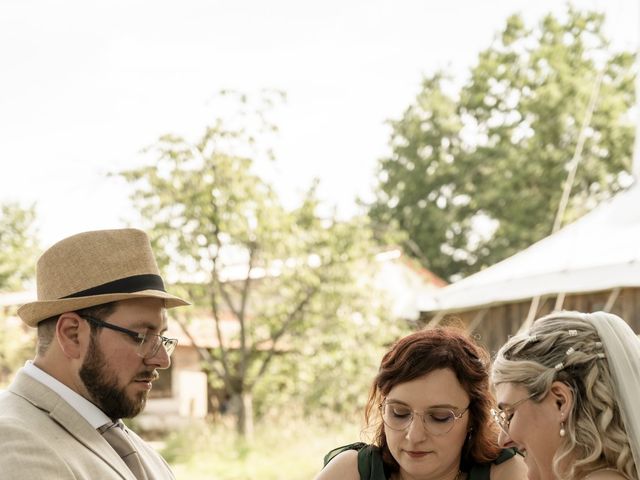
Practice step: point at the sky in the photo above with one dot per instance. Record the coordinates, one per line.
(86, 85)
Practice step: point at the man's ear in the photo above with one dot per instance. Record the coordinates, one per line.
(562, 396)
(71, 334)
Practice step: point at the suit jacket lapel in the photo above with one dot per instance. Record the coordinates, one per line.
(67, 417)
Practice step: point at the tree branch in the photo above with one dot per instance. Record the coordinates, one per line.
(291, 318)
(243, 306)
(202, 352)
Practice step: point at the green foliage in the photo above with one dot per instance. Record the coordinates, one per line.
(291, 449)
(17, 344)
(18, 250)
(330, 372)
(290, 279)
(18, 246)
(477, 175)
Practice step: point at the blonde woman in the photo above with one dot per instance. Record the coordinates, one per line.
(567, 393)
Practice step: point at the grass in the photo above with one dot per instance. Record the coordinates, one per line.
(292, 451)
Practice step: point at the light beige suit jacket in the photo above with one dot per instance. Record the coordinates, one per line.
(43, 437)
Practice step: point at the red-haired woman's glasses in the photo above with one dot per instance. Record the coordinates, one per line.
(436, 421)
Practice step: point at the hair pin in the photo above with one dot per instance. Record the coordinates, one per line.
(573, 333)
(559, 366)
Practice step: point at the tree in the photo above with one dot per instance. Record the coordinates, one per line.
(18, 246)
(17, 344)
(18, 249)
(477, 175)
(282, 275)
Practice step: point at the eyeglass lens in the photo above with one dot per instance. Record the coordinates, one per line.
(151, 343)
(502, 419)
(437, 421)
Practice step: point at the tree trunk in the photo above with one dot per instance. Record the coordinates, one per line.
(245, 415)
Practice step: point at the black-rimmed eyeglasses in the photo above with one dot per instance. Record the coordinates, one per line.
(148, 343)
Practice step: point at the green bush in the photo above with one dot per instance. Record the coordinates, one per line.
(292, 451)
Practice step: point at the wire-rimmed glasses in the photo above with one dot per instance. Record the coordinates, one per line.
(503, 417)
(436, 421)
(148, 343)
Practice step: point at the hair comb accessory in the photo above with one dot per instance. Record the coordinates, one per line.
(570, 350)
(573, 333)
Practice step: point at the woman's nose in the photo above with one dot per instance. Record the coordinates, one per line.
(415, 430)
(504, 440)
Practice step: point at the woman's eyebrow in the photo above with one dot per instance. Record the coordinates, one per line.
(443, 405)
(446, 405)
(395, 400)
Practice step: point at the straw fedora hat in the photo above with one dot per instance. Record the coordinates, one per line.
(93, 268)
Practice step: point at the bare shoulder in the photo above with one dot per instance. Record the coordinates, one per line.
(343, 466)
(512, 469)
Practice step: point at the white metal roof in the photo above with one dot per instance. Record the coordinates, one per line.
(599, 251)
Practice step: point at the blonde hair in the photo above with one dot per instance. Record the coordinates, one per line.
(564, 347)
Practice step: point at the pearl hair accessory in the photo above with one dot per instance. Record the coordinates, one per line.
(572, 333)
(569, 351)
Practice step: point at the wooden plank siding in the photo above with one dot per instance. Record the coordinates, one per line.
(501, 321)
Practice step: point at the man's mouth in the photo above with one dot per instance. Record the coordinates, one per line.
(147, 378)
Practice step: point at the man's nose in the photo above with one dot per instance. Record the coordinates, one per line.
(161, 360)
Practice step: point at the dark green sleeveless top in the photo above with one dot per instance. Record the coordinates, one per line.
(370, 464)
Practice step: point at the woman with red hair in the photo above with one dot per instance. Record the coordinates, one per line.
(430, 406)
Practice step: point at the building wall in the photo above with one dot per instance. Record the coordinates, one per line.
(493, 326)
(178, 395)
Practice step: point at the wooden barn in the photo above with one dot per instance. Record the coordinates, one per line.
(592, 264)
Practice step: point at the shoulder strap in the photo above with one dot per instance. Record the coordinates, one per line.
(483, 471)
(505, 455)
(336, 451)
(370, 466)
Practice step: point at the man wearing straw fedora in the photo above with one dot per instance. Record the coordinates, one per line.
(100, 316)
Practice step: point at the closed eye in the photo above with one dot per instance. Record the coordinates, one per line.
(400, 413)
(441, 418)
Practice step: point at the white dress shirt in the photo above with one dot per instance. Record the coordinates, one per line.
(92, 414)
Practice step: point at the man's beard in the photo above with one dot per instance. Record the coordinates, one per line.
(104, 389)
